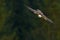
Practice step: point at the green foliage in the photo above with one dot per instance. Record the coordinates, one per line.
(18, 23)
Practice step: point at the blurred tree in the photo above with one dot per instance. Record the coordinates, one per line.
(18, 23)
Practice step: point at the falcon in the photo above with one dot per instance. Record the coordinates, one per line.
(40, 14)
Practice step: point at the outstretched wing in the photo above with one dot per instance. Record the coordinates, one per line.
(43, 16)
(49, 20)
(34, 11)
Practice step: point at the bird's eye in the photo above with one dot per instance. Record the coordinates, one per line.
(39, 16)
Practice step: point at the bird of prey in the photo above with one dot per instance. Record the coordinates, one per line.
(40, 14)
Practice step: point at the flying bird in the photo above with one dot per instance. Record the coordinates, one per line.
(39, 13)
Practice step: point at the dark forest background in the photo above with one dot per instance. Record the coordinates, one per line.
(19, 23)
